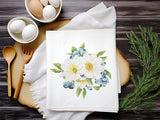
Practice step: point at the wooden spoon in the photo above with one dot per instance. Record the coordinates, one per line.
(9, 54)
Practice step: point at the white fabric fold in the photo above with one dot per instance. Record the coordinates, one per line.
(97, 17)
(37, 65)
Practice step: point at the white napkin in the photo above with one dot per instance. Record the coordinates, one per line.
(86, 79)
(97, 17)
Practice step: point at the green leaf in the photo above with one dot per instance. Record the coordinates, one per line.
(68, 53)
(89, 81)
(108, 73)
(84, 92)
(146, 105)
(104, 58)
(55, 70)
(81, 55)
(58, 65)
(97, 87)
(78, 80)
(64, 77)
(101, 53)
(78, 91)
(73, 49)
(83, 46)
(73, 82)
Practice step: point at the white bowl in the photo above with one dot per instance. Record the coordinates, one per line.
(58, 10)
(18, 36)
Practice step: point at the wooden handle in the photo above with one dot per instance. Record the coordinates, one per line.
(19, 84)
(9, 81)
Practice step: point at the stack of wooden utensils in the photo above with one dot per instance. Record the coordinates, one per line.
(9, 54)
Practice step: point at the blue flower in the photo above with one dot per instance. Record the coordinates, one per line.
(83, 76)
(89, 87)
(82, 51)
(69, 85)
(66, 84)
(104, 75)
(71, 57)
(98, 81)
(103, 80)
(74, 54)
(103, 63)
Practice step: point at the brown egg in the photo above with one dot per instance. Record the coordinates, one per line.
(36, 8)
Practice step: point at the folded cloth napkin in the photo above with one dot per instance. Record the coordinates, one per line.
(35, 72)
(82, 70)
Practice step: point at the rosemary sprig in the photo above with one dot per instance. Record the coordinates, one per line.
(146, 48)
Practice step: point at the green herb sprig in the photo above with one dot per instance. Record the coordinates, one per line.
(146, 48)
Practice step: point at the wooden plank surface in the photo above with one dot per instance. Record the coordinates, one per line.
(130, 13)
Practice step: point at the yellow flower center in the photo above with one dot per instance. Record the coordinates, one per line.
(72, 69)
(89, 67)
(83, 81)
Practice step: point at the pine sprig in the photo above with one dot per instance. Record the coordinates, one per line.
(146, 48)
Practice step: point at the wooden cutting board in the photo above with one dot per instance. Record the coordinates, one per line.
(25, 96)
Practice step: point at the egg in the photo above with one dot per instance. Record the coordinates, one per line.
(17, 26)
(49, 12)
(29, 32)
(44, 2)
(36, 8)
(54, 3)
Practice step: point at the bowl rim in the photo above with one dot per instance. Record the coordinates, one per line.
(25, 19)
(43, 21)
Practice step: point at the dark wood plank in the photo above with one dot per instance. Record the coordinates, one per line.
(130, 13)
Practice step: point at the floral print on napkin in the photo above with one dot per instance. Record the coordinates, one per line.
(83, 71)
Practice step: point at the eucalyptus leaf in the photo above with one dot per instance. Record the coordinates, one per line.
(58, 65)
(73, 49)
(78, 80)
(84, 92)
(104, 58)
(68, 53)
(108, 73)
(55, 70)
(89, 81)
(73, 82)
(96, 87)
(83, 46)
(78, 91)
(101, 53)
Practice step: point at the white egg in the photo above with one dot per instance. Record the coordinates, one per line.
(44, 2)
(49, 12)
(29, 32)
(17, 26)
(54, 3)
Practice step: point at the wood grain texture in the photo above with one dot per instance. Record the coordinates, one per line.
(130, 13)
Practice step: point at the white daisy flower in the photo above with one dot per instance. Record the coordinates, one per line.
(92, 66)
(72, 69)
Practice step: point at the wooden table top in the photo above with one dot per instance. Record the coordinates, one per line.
(130, 13)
